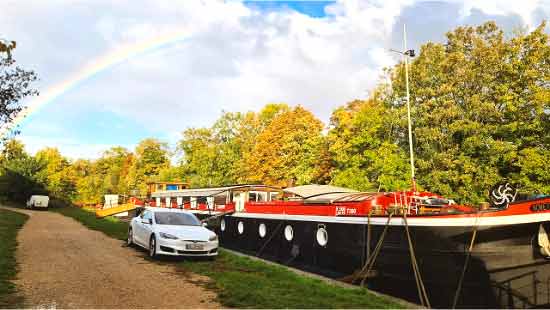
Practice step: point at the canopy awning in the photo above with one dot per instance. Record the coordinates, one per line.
(314, 194)
(305, 191)
(208, 192)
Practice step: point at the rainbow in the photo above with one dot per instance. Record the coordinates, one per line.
(95, 67)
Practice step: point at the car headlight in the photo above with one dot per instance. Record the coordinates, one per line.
(213, 238)
(167, 236)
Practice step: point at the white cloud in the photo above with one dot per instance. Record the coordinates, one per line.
(237, 58)
(525, 8)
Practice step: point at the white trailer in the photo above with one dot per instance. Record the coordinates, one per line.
(38, 201)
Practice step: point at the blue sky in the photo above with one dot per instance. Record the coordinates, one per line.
(239, 56)
(310, 8)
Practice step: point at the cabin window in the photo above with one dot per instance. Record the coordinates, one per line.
(257, 196)
(201, 200)
(262, 196)
(273, 196)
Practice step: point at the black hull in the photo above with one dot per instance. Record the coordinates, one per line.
(505, 269)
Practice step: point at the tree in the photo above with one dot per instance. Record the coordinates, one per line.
(19, 173)
(114, 166)
(199, 151)
(286, 151)
(150, 158)
(363, 149)
(56, 174)
(215, 156)
(15, 85)
(12, 150)
(480, 110)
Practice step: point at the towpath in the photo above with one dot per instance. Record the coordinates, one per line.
(63, 264)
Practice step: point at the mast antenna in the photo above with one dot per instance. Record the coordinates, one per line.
(405, 56)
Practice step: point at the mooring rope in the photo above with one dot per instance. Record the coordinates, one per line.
(422, 295)
(466, 262)
(372, 259)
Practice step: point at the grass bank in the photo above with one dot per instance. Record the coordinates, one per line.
(10, 223)
(242, 282)
(245, 283)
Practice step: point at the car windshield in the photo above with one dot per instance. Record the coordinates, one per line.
(172, 218)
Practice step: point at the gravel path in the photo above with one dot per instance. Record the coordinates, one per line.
(62, 264)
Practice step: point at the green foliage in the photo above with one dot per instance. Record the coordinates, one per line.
(117, 171)
(362, 148)
(286, 152)
(56, 174)
(215, 156)
(480, 108)
(20, 174)
(10, 223)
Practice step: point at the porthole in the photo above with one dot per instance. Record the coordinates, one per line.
(322, 236)
(289, 233)
(240, 228)
(222, 225)
(262, 230)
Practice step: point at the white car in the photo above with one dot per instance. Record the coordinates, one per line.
(38, 201)
(172, 232)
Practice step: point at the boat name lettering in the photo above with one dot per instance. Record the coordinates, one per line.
(345, 211)
(540, 207)
(351, 211)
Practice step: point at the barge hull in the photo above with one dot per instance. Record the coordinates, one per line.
(505, 269)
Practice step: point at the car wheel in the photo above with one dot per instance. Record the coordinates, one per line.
(153, 247)
(130, 239)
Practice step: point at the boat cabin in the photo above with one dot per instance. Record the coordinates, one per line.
(217, 199)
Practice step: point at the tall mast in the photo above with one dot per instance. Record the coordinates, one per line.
(405, 57)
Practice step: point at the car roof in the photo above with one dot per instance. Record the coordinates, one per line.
(157, 209)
